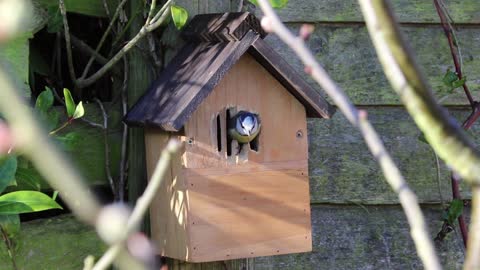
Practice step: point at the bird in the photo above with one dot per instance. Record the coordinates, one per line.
(244, 127)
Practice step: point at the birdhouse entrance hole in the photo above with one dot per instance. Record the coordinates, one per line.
(233, 148)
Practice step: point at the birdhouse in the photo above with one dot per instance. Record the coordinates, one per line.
(239, 186)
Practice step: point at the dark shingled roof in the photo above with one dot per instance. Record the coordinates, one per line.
(215, 43)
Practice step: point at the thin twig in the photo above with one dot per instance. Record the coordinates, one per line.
(71, 69)
(453, 44)
(107, 149)
(472, 261)
(103, 38)
(155, 23)
(393, 176)
(124, 154)
(107, 9)
(445, 135)
(87, 49)
(455, 181)
(142, 204)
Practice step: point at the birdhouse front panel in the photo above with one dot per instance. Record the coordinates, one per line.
(248, 200)
(239, 187)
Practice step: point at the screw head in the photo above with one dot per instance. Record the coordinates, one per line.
(190, 141)
(299, 134)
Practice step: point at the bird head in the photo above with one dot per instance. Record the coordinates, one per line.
(246, 123)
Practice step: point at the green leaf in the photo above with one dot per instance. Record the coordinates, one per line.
(278, 4)
(459, 83)
(179, 16)
(449, 78)
(55, 20)
(79, 111)
(10, 224)
(452, 80)
(44, 100)
(69, 103)
(8, 167)
(26, 202)
(28, 179)
(454, 211)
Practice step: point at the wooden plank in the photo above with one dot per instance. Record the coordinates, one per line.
(249, 214)
(349, 57)
(168, 214)
(407, 11)
(55, 243)
(342, 170)
(373, 237)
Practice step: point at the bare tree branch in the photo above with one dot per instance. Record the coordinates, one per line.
(393, 176)
(441, 131)
(142, 204)
(160, 18)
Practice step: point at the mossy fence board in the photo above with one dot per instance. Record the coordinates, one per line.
(407, 11)
(348, 55)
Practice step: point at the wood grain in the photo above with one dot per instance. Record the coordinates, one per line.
(248, 86)
(168, 214)
(349, 57)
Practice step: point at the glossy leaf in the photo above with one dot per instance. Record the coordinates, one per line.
(26, 202)
(10, 224)
(44, 100)
(179, 16)
(278, 4)
(79, 111)
(8, 167)
(69, 103)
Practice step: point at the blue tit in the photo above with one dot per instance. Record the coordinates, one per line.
(244, 127)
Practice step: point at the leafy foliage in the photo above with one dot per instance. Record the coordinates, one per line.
(275, 3)
(69, 103)
(454, 211)
(179, 16)
(26, 201)
(451, 80)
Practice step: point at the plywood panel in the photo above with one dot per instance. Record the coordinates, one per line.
(246, 214)
(248, 86)
(168, 214)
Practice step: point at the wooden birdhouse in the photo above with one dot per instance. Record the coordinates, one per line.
(225, 197)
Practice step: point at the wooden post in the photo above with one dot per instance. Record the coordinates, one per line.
(140, 76)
